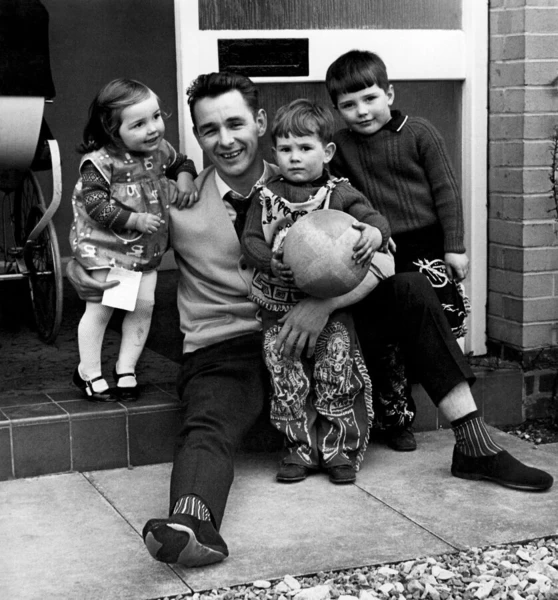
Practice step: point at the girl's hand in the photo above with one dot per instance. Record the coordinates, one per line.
(187, 191)
(370, 240)
(148, 223)
(457, 265)
(280, 269)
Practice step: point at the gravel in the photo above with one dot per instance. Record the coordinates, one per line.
(526, 571)
(521, 571)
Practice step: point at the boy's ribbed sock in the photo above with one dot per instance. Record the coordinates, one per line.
(193, 506)
(472, 437)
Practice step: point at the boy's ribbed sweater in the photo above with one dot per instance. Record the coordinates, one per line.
(405, 172)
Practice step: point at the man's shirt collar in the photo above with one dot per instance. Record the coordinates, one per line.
(225, 188)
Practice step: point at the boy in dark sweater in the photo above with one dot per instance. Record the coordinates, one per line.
(401, 165)
(322, 404)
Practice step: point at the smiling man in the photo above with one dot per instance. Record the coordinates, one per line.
(223, 383)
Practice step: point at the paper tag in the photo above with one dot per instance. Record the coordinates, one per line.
(124, 295)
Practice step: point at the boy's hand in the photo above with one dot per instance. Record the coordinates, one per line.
(187, 192)
(148, 223)
(280, 269)
(457, 265)
(370, 240)
(391, 246)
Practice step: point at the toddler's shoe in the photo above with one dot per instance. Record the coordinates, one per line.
(501, 468)
(291, 472)
(341, 474)
(93, 389)
(125, 393)
(185, 540)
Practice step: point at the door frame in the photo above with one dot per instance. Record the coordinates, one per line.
(460, 55)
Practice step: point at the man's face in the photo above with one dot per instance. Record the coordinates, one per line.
(228, 132)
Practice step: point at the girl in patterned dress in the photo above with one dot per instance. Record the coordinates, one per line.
(120, 206)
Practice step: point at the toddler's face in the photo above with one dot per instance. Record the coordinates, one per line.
(302, 159)
(142, 128)
(367, 110)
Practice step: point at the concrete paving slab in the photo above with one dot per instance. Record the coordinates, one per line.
(463, 513)
(62, 539)
(273, 529)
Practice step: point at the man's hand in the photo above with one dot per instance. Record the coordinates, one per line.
(370, 241)
(187, 192)
(301, 327)
(88, 289)
(457, 265)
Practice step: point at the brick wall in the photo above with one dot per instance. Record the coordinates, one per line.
(522, 315)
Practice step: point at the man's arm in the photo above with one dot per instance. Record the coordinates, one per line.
(88, 289)
(302, 325)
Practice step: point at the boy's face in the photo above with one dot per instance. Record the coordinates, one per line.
(302, 159)
(367, 110)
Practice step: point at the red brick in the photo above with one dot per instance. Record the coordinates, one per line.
(514, 207)
(510, 20)
(506, 127)
(540, 20)
(541, 46)
(494, 304)
(540, 72)
(536, 310)
(505, 179)
(506, 74)
(537, 180)
(539, 234)
(507, 258)
(505, 282)
(503, 330)
(540, 259)
(538, 335)
(540, 100)
(505, 153)
(537, 152)
(509, 233)
(539, 126)
(538, 285)
(507, 100)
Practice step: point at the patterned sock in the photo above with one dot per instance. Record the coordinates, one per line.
(472, 437)
(193, 506)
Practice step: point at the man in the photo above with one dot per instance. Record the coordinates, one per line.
(223, 381)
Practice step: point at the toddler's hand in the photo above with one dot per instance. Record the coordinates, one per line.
(370, 240)
(148, 223)
(457, 265)
(187, 192)
(280, 269)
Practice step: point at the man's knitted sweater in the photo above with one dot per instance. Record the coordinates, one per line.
(405, 172)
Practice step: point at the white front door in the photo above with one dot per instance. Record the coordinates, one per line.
(459, 55)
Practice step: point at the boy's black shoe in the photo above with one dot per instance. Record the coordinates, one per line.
(342, 474)
(291, 473)
(401, 439)
(501, 468)
(185, 540)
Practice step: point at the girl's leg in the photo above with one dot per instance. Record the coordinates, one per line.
(135, 329)
(91, 332)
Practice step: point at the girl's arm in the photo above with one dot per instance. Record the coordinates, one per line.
(183, 171)
(254, 247)
(96, 198)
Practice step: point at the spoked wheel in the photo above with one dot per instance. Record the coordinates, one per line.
(42, 258)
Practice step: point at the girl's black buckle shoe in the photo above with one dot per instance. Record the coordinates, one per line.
(86, 386)
(125, 394)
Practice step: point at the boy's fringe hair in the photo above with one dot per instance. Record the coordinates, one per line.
(302, 117)
(354, 71)
(105, 112)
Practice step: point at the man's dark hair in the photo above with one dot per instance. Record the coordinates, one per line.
(211, 85)
(354, 71)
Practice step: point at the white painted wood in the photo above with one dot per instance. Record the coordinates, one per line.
(460, 55)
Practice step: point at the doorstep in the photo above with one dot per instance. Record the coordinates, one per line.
(57, 431)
